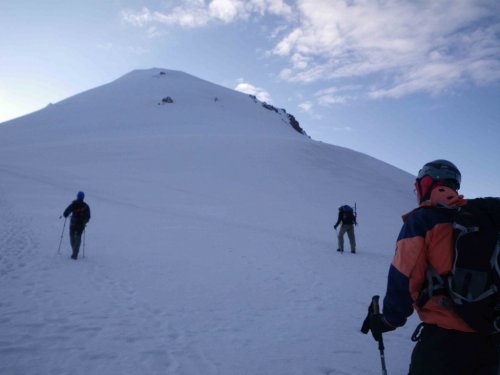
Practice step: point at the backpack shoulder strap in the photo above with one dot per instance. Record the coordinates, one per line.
(435, 284)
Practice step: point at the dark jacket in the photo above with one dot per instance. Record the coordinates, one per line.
(345, 218)
(80, 214)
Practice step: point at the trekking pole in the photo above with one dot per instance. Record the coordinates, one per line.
(62, 234)
(376, 311)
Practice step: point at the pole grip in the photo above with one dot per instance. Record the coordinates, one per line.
(376, 311)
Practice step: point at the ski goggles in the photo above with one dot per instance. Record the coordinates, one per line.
(425, 185)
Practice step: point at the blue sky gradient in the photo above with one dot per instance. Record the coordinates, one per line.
(403, 81)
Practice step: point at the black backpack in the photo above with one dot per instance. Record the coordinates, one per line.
(80, 214)
(347, 215)
(473, 284)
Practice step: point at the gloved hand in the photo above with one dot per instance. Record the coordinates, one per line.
(335, 226)
(379, 325)
(376, 324)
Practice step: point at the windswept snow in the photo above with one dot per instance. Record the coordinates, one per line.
(210, 249)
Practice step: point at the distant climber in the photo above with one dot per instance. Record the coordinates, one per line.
(80, 216)
(347, 217)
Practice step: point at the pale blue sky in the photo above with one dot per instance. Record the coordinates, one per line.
(403, 81)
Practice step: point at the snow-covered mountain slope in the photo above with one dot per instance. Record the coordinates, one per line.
(137, 103)
(210, 249)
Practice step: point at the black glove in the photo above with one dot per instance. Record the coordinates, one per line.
(379, 325)
(335, 226)
(375, 323)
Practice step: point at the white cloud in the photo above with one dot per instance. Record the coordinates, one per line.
(200, 13)
(336, 95)
(195, 15)
(250, 89)
(279, 7)
(398, 46)
(328, 100)
(299, 61)
(306, 106)
(432, 77)
(153, 32)
(426, 46)
(225, 10)
(138, 18)
(286, 45)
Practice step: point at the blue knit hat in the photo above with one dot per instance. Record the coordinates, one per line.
(80, 195)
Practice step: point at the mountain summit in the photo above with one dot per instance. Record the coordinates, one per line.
(173, 100)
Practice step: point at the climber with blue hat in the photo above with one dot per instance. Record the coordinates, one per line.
(80, 216)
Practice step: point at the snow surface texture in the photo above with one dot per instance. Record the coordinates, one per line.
(211, 248)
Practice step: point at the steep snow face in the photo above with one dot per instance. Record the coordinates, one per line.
(210, 249)
(138, 100)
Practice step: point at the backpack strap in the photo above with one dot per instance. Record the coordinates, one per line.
(458, 298)
(494, 259)
(465, 230)
(435, 284)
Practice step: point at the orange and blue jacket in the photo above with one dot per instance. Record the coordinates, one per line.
(426, 240)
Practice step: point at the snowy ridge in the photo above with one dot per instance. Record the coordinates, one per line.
(210, 249)
(135, 100)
